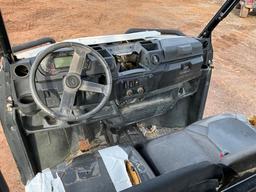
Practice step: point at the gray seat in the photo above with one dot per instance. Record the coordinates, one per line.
(173, 152)
(228, 140)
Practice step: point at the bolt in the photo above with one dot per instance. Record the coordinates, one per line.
(9, 99)
(9, 107)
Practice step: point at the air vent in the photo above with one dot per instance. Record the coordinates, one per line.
(149, 46)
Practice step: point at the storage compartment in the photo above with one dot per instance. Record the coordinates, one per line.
(27, 104)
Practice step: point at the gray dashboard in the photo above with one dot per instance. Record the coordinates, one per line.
(149, 77)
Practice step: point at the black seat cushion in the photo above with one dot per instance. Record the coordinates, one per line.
(172, 152)
(224, 139)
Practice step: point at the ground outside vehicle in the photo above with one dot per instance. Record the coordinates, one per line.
(246, 6)
(122, 113)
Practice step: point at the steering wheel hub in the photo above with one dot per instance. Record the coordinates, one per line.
(73, 81)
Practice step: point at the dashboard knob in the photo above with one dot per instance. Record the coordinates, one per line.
(129, 92)
(140, 90)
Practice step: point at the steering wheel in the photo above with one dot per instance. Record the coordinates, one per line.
(73, 82)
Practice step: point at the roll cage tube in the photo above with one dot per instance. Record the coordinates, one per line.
(31, 44)
(5, 45)
(226, 8)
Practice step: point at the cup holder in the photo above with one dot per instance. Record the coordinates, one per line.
(27, 104)
(26, 99)
(21, 71)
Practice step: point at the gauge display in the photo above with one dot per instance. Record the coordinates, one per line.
(62, 62)
(56, 62)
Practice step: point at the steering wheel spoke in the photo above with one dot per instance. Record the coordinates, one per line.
(78, 60)
(93, 87)
(68, 113)
(67, 100)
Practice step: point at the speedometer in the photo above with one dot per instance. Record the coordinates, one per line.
(57, 62)
(62, 62)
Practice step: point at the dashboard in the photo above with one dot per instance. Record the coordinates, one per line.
(149, 77)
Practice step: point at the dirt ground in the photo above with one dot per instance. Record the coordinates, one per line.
(234, 78)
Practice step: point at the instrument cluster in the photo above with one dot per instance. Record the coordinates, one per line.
(56, 62)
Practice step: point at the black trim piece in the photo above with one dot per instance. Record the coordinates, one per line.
(32, 44)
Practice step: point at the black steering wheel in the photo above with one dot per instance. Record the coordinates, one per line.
(73, 82)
